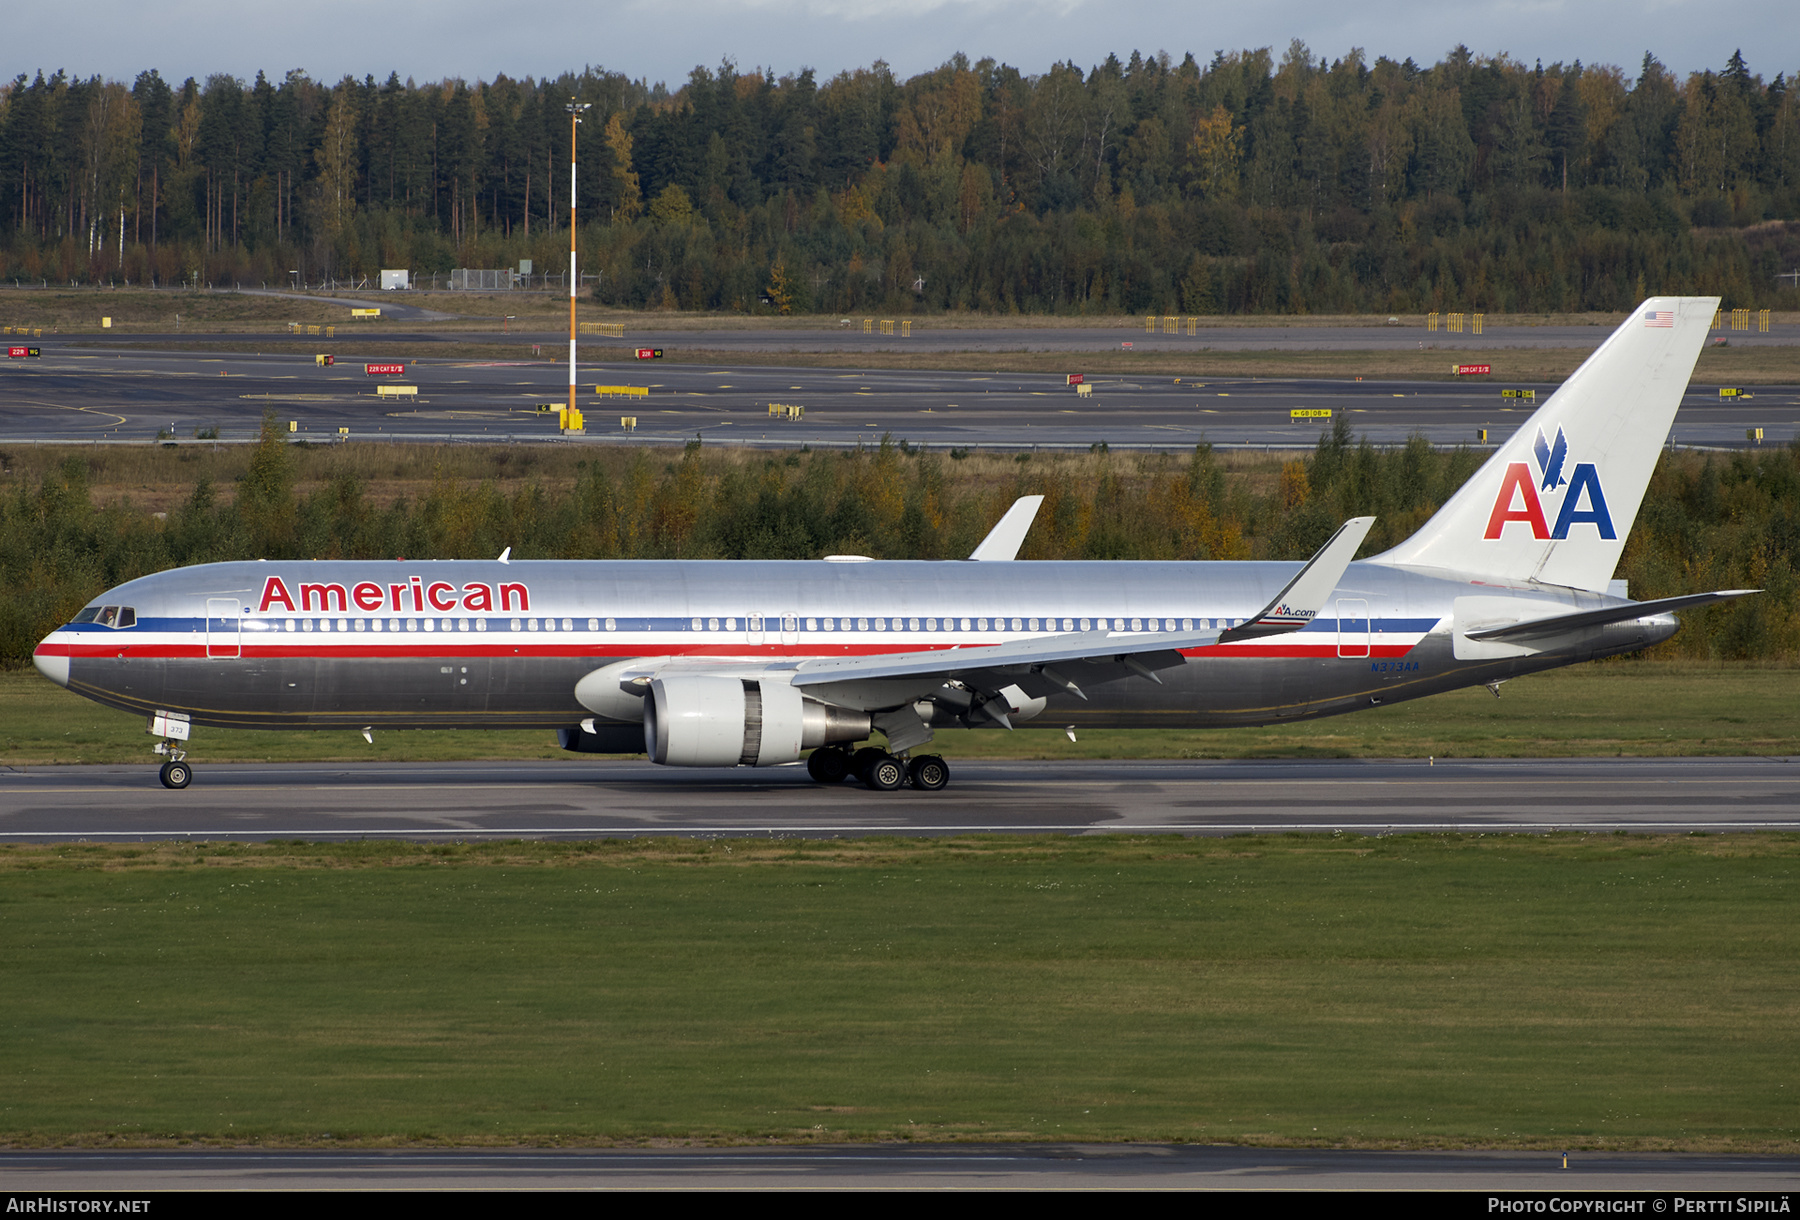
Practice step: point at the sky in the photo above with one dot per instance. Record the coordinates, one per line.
(664, 40)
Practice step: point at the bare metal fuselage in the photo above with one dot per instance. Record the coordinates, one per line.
(483, 645)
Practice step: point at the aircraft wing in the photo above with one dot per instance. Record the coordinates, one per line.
(1050, 664)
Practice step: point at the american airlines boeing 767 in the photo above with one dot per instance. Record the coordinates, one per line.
(747, 663)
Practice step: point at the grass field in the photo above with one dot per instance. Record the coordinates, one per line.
(1740, 365)
(1634, 708)
(241, 316)
(80, 309)
(1728, 365)
(1499, 991)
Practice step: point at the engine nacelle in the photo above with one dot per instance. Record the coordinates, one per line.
(701, 721)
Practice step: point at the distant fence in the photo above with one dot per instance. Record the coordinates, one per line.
(504, 279)
(484, 281)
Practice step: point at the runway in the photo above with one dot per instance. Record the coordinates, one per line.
(590, 798)
(901, 1167)
(75, 394)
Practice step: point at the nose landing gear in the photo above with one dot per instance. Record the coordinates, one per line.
(173, 728)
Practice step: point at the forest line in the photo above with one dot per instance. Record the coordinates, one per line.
(1249, 183)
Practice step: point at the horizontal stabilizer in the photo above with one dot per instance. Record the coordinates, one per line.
(1538, 628)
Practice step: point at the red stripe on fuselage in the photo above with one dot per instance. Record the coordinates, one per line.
(455, 647)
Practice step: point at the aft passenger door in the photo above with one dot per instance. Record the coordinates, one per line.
(1352, 627)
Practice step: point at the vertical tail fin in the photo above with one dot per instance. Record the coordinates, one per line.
(1555, 502)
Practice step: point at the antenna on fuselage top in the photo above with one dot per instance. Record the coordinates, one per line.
(505, 556)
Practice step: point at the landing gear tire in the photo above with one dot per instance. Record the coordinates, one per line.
(175, 775)
(928, 773)
(863, 759)
(828, 765)
(885, 774)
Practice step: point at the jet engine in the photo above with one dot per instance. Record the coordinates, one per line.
(703, 721)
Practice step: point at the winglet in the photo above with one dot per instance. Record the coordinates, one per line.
(1304, 596)
(1005, 539)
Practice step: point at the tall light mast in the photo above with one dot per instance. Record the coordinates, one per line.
(575, 109)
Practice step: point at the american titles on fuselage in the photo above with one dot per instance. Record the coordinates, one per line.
(411, 596)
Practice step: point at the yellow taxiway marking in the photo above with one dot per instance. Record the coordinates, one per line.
(60, 406)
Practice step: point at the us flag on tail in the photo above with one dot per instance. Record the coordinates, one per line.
(1664, 318)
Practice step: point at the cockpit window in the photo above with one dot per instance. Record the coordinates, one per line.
(108, 616)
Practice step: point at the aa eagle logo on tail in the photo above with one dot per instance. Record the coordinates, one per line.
(1550, 459)
(1519, 500)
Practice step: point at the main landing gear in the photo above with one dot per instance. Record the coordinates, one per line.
(877, 768)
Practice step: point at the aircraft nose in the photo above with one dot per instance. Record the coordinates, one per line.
(55, 668)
